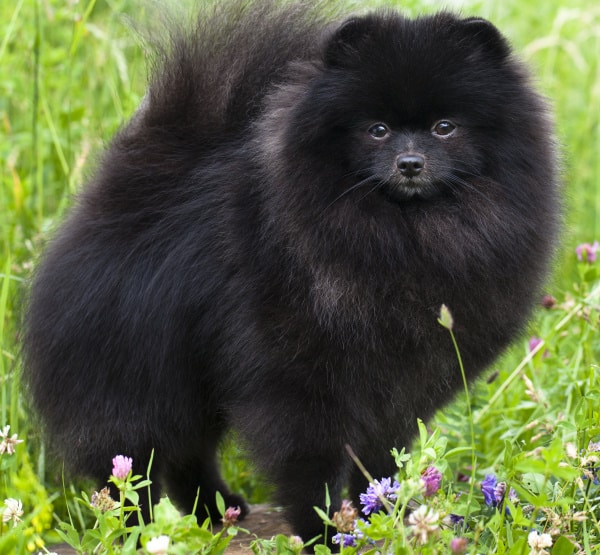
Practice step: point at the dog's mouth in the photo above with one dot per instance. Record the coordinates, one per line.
(405, 189)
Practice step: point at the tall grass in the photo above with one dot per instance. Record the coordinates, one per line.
(72, 72)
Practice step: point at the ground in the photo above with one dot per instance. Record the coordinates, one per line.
(264, 521)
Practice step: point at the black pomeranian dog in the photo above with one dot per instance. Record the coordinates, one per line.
(267, 244)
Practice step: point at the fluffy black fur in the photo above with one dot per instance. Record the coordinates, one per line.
(267, 244)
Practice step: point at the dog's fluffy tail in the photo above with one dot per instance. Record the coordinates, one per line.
(209, 78)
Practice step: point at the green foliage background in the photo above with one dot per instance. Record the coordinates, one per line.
(72, 72)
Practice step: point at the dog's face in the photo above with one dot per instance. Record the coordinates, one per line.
(420, 160)
(411, 108)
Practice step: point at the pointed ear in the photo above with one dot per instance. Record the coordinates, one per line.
(486, 37)
(346, 41)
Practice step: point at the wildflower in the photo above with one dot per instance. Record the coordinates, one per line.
(424, 523)
(593, 446)
(589, 463)
(456, 519)
(488, 486)
(372, 500)
(494, 492)
(445, 318)
(538, 541)
(586, 252)
(500, 491)
(102, 500)
(231, 516)
(534, 342)
(345, 518)
(548, 301)
(7, 445)
(158, 545)
(295, 543)
(530, 389)
(458, 546)
(431, 478)
(121, 467)
(571, 450)
(13, 511)
(347, 540)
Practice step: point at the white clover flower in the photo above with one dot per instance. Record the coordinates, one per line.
(538, 541)
(425, 522)
(571, 450)
(13, 511)
(158, 545)
(7, 445)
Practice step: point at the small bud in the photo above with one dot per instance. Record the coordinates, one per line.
(231, 516)
(548, 301)
(492, 377)
(445, 318)
(296, 544)
(458, 546)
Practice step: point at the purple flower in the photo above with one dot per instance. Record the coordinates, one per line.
(458, 545)
(347, 540)
(456, 519)
(372, 499)
(121, 467)
(548, 301)
(231, 516)
(534, 342)
(499, 492)
(432, 478)
(488, 488)
(494, 492)
(586, 252)
(593, 447)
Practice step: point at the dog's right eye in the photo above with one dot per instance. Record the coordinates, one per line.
(379, 131)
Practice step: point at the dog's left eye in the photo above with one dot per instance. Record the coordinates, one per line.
(379, 131)
(443, 128)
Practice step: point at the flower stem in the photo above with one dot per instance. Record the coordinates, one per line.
(470, 414)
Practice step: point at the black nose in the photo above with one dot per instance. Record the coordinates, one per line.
(410, 165)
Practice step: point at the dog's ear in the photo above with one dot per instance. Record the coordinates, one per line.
(485, 37)
(342, 47)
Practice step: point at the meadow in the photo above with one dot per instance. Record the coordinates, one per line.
(510, 466)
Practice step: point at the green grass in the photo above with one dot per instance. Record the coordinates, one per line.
(72, 72)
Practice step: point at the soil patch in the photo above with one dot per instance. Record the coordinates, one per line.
(263, 521)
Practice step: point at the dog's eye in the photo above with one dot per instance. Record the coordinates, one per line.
(443, 128)
(379, 131)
